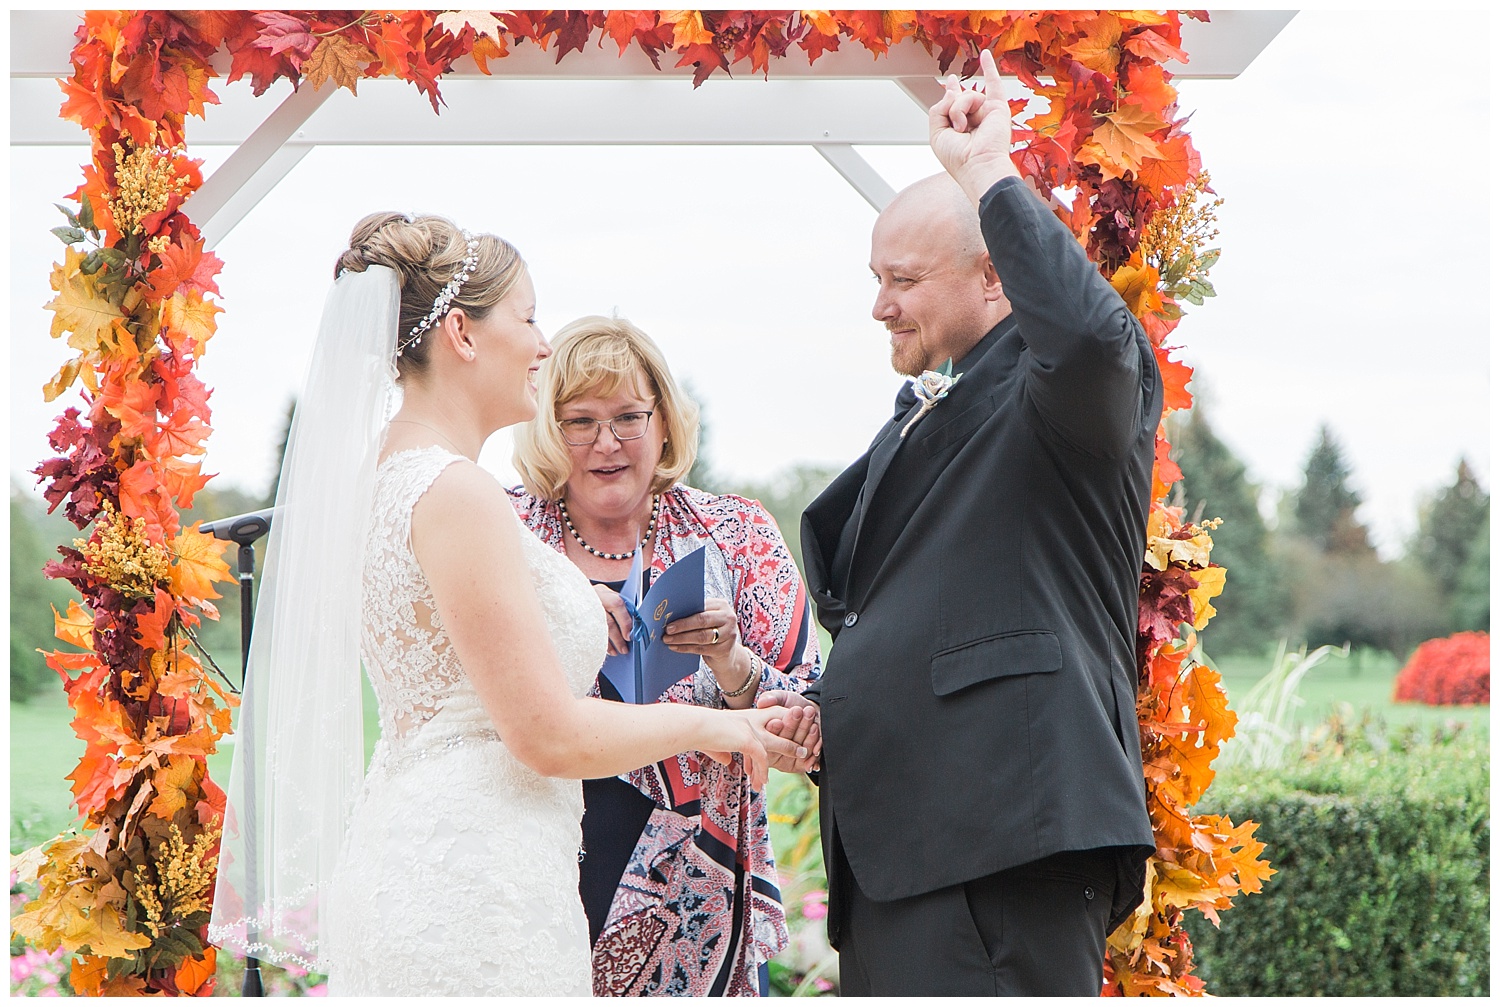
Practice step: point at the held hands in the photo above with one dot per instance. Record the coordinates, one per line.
(970, 131)
(798, 721)
(746, 732)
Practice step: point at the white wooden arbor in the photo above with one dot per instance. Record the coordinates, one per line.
(847, 99)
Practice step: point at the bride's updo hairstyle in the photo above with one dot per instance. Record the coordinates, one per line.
(426, 252)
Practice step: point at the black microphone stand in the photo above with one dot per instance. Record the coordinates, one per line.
(245, 529)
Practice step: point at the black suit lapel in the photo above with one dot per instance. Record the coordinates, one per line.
(979, 374)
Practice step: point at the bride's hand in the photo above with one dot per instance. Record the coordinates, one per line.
(617, 618)
(744, 731)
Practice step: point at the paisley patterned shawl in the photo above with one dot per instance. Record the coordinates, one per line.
(705, 855)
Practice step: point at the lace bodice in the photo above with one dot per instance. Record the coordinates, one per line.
(410, 660)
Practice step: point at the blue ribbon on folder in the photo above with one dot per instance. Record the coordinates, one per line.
(651, 667)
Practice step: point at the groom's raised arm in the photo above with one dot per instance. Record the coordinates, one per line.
(1092, 371)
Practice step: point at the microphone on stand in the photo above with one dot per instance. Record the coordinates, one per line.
(245, 530)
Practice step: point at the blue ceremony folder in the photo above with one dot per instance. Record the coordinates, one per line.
(650, 667)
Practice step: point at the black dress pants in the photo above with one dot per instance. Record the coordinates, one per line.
(1033, 930)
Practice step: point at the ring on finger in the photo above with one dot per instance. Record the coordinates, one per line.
(716, 634)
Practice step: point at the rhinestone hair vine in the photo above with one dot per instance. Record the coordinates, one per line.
(445, 296)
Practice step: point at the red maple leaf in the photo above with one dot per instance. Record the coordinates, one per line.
(705, 58)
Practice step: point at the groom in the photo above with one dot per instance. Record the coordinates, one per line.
(981, 794)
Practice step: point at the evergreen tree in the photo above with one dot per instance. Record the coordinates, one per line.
(1326, 504)
(1448, 529)
(1253, 607)
(1471, 599)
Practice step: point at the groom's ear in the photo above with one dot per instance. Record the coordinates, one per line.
(991, 280)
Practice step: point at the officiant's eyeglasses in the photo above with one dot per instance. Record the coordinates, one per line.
(584, 430)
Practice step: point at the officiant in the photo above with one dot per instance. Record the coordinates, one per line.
(677, 875)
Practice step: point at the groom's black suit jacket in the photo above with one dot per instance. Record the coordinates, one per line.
(980, 577)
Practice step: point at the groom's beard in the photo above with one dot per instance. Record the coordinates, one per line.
(909, 354)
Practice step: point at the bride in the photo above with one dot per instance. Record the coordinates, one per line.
(452, 866)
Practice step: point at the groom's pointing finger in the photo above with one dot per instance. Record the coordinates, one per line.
(994, 85)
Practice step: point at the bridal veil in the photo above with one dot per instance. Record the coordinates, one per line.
(298, 762)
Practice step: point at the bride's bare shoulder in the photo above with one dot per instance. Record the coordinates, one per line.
(463, 497)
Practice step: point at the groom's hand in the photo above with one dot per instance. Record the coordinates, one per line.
(799, 723)
(970, 131)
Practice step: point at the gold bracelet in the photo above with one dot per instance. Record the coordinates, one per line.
(752, 677)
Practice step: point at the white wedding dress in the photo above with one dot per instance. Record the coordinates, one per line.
(459, 875)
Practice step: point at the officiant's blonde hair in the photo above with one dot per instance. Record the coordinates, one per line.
(595, 355)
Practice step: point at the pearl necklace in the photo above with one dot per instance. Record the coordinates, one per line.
(650, 527)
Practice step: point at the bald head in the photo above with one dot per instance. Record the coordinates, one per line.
(938, 206)
(938, 291)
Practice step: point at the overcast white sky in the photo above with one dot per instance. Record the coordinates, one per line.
(1353, 289)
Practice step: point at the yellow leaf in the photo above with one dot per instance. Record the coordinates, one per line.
(1210, 583)
(687, 28)
(1136, 285)
(198, 564)
(79, 307)
(107, 936)
(1122, 142)
(76, 628)
(822, 20)
(172, 782)
(190, 316)
(27, 863)
(63, 379)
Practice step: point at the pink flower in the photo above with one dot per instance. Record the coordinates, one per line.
(320, 990)
(49, 991)
(815, 905)
(20, 970)
(823, 985)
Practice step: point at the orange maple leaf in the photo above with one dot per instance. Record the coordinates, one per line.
(183, 480)
(337, 59)
(198, 563)
(194, 973)
(150, 629)
(486, 49)
(1179, 164)
(1122, 141)
(1175, 376)
(1099, 49)
(76, 628)
(174, 784)
(687, 28)
(186, 266)
(133, 402)
(187, 316)
(1137, 283)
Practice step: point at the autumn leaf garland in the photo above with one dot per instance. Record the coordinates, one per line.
(129, 890)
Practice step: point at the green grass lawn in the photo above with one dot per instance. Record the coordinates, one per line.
(1365, 680)
(44, 750)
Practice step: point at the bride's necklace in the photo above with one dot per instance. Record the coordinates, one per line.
(651, 527)
(418, 423)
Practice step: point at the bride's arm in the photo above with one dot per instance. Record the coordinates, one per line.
(468, 543)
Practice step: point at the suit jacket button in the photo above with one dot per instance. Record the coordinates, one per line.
(851, 618)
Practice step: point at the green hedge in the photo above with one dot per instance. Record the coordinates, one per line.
(1384, 875)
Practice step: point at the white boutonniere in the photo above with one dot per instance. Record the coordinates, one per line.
(931, 387)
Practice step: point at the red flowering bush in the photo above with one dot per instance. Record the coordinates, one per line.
(1451, 671)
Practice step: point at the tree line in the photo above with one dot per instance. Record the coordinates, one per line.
(1312, 575)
